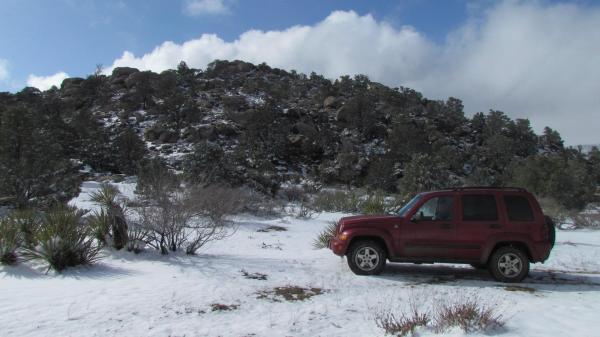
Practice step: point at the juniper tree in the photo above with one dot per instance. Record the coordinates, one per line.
(33, 167)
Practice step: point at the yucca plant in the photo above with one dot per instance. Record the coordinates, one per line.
(28, 221)
(108, 198)
(322, 240)
(9, 241)
(99, 223)
(64, 240)
(374, 204)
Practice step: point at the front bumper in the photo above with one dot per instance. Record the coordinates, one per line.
(338, 246)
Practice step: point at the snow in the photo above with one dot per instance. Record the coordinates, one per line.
(153, 295)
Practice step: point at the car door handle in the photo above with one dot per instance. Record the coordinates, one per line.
(446, 226)
(495, 225)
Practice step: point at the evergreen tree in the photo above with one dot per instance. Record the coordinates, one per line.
(155, 180)
(556, 176)
(33, 168)
(130, 150)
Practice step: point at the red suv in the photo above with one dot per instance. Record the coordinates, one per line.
(502, 229)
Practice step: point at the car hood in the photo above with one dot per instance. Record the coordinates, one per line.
(363, 219)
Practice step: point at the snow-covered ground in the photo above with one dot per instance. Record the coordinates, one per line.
(154, 295)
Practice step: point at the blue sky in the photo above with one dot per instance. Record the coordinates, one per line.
(533, 59)
(43, 37)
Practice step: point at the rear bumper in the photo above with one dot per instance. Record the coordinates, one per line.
(541, 251)
(338, 246)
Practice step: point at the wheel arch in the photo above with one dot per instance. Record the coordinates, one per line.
(516, 244)
(378, 239)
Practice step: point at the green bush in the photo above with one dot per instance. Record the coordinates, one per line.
(9, 241)
(111, 221)
(374, 204)
(28, 222)
(322, 240)
(64, 240)
(337, 201)
(99, 224)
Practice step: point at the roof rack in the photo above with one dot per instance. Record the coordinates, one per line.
(520, 189)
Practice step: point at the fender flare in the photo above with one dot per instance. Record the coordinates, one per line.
(507, 238)
(378, 234)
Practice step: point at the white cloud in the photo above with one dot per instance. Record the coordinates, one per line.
(4, 70)
(205, 7)
(46, 82)
(530, 59)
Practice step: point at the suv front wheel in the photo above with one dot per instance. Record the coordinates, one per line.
(509, 264)
(366, 258)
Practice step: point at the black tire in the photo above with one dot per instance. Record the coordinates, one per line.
(509, 264)
(374, 265)
(479, 266)
(551, 230)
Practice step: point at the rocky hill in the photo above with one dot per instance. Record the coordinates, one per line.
(246, 124)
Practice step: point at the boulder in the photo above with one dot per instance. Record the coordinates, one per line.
(69, 83)
(330, 102)
(120, 75)
(168, 136)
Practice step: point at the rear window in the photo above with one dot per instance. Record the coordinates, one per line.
(518, 208)
(479, 208)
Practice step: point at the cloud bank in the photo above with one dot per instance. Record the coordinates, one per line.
(530, 59)
(205, 7)
(46, 82)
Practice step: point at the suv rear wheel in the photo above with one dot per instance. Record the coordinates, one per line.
(366, 258)
(509, 264)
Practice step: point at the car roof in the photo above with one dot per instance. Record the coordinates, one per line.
(478, 189)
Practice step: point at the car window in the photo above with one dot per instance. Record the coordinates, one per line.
(436, 209)
(479, 208)
(409, 205)
(518, 208)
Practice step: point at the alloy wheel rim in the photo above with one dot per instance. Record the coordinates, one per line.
(366, 258)
(510, 265)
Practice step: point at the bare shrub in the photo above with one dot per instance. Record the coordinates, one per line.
(435, 312)
(189, 218)
(304, 212)
(137, 237)
(322, 240)
(403, 324)
(589, 218)
(294, 194)
(469, 314)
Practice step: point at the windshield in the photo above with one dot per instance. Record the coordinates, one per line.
(409, 205)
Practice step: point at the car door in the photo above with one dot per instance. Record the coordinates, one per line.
(479, 218)
(429, 231)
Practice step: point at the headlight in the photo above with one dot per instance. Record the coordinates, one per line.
(343, 236)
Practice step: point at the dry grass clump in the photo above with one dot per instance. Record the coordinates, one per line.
(438, 314)
(289, 293)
